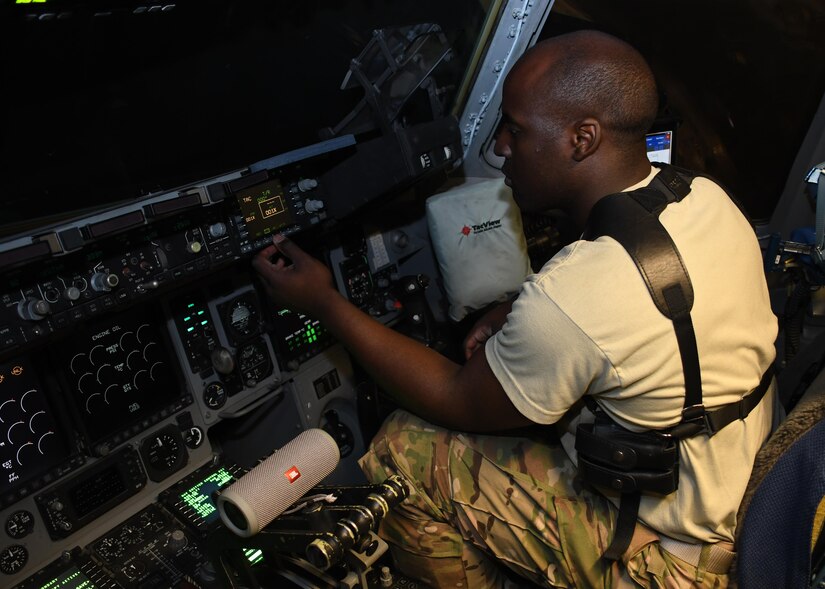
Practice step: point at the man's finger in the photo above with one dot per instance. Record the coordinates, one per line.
(286, 246)
(261, 259)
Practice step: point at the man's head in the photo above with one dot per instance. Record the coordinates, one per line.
(575, 112)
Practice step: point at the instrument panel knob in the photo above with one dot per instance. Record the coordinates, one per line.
(104, 281)
(71, 293)
(307, 184)
(223, 360)
(217, 230)
(32, 309)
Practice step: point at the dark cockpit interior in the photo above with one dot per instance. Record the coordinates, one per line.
(148, 151)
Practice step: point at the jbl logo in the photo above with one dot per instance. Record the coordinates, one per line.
(293, 474)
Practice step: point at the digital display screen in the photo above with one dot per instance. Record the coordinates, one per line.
(30, 440)
(199, 496)
(71, 578)
(660, 147)
(62, 574)
(120, 373)
(296, 335)
(264, 208)
(92, 494)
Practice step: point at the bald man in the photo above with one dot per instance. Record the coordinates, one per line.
(575, 111)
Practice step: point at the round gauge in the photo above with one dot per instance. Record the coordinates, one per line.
(130, 535)
(19, 524)
(13, 558)
(110, 548)
(134, 569)
(254, 362)
(193, 437)
(243, 318)
(163, 452)
(214, 395)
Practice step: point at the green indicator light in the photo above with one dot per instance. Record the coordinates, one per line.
(253, 555)
(187, 318)
(190, 329)
(204, 322)
(201, 312)
(190, 305)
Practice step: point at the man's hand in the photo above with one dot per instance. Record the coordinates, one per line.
(484, 328)
(305, 284)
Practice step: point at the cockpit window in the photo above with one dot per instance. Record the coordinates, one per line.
(107, 104)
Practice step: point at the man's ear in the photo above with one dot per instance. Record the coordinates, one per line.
(587, 137)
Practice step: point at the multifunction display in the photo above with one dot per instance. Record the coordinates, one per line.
(264, 208)
(120, 374)
(30, 440)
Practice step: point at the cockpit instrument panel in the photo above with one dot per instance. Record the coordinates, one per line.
(121, 379)
(32, 444)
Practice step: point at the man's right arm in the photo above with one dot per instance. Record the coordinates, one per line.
(465, 397)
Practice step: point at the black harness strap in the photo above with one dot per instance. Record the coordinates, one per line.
(632, 219)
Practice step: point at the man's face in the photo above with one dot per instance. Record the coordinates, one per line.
(531, 142)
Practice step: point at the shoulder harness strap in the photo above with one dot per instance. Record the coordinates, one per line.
(632, 219)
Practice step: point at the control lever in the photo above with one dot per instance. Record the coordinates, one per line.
(417, 320)
(147, 286)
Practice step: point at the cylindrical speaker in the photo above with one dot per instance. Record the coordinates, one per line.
(262, 494)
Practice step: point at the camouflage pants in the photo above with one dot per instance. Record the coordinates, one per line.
(514, 499)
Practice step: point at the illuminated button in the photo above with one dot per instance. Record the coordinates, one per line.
(194, 247)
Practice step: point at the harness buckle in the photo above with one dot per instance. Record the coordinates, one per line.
(695, 420)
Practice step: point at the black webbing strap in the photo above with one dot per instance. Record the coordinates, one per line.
(716, 419)
(625, 525)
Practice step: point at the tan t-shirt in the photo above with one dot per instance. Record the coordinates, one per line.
(587, 325)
